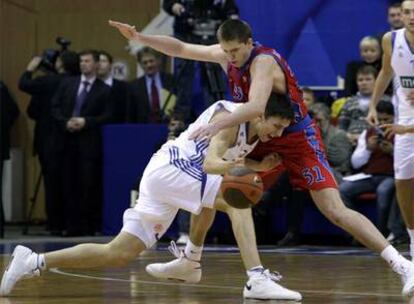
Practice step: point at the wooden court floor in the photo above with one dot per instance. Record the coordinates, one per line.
(322, 276)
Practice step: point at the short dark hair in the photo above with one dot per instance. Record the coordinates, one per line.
(395, 5)
(385, 107)
(70, 62)
(147, 51)
(94, 53)
(367, 70)
(279, 105)
(234, 29)
(107, 55)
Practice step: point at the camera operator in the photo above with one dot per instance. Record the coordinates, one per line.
(42, 88)
(196, 21)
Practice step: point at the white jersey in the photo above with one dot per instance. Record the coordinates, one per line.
(185, 152)
(402, 62)
(174, 179)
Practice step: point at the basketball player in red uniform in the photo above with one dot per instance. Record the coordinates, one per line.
(254, 72)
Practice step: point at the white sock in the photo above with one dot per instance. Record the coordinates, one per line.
(397, 262)
(193, 252)
(411, 234)
(254, 270)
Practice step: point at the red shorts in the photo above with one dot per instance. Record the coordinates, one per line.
(303, 156)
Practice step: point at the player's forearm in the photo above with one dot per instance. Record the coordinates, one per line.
(244, 113)
(409, 129)
(217, 166)
(381, 84)
(164, 44)
(254, 165)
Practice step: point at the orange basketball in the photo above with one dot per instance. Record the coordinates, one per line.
(242, 187)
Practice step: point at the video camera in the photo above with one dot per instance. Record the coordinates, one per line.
(202, 20)
(49, 56)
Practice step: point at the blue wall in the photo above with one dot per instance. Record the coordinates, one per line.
(317, 37)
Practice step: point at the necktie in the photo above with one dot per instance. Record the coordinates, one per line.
(80, 99)
(155, 103)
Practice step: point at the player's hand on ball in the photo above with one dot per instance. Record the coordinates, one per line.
(270, 161)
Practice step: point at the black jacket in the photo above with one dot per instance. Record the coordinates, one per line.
(9, 113)
(97, 110)
(40, 107)
(119, 101)
(199, 9)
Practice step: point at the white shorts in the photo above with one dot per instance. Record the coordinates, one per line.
(164, 189)
(404, 156)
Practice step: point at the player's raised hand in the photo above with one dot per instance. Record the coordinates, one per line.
(128, 31)
(207, 131)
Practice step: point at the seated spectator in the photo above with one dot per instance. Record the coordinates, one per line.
(374, 156)
(308, 97)
(370, 51)
(353, 113)
(337, 145)
(148, 94)
(119, 93)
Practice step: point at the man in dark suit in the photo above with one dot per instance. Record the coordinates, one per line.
(81, 106)
(119, 89)
(42, 89)
(147, 94)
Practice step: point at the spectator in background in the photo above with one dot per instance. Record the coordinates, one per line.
(370, 52)
(337, 144)
(8, 114)
(80, 107)
(353, 113)
(374, 156)
(42, 88)
(119, 89)
(148, 94)
(308, 97)
(394, 16)
(187, 28)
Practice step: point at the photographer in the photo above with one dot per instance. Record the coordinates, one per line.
(42, 88)
(196, 21)
(374, 154)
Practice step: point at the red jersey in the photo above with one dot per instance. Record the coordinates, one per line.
(239, 81)
(300, 146)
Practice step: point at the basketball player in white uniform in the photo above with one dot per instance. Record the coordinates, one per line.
(182, 174)
(398, 62)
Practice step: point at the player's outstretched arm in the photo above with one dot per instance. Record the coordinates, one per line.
(172, 46)
(262, 72)
(383, 79)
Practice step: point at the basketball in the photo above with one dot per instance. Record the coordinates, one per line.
(242, 187)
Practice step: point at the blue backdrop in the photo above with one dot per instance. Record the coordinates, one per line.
(317, 37)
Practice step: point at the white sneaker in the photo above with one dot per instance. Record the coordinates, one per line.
(263, 286)
(21, 266)
(183, 239)
(182, 268)
(408, 280)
